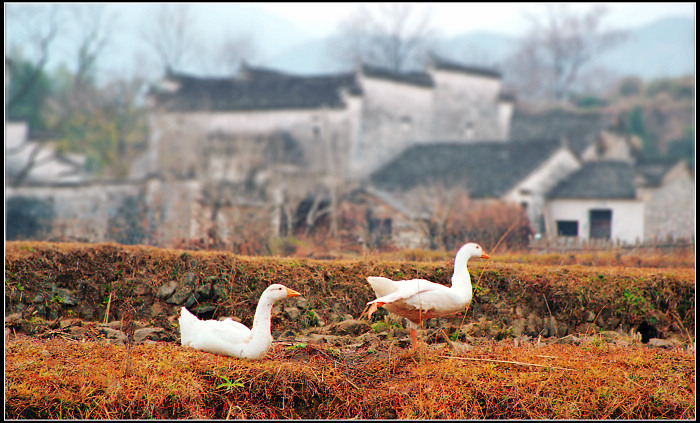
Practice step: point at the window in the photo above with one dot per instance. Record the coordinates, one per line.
(567, 227)
(601, 223)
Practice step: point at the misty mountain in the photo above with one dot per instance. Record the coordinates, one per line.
(664, 48)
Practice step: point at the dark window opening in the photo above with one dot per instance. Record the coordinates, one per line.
(567, 227)
(380, 226)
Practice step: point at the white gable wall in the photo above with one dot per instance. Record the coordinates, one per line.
(466, 106)
(180, 138)
(395, 115)
(532, 190)
(627, 217)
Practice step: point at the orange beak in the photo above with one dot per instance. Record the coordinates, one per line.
(292, 293)
(484, 255)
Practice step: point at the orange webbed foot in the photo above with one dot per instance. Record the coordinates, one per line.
(372, 308)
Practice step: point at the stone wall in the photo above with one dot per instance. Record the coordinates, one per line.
(670, 213)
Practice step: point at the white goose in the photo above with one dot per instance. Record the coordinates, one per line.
(419, 299)
(228, 337)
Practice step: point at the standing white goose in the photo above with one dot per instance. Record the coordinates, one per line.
(419, 299)
(228, 337)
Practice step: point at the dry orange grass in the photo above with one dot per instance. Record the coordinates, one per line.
(56, 378)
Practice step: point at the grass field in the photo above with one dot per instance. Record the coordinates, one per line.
(51, 375)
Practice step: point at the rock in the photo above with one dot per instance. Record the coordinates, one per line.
(373, 339)
(600, 321)
(663, 343)
(217, 291)
(519, 327)
(203, 309)
(315, 319)
(570, 340)
(349, 327)
(147, 333)
(112, 334)
(614, 321)
(302, 303)
(180, 295)
(38, 299)
(551, 327)
(191, 300)
(115, 324)
(204, 291)
(167, 290)
(292, 313)
(609, 335)
(190, 279)
(590, 316)
(430, 323)
(461, 347)
(327, 339)
(520, 340)
(534, 324)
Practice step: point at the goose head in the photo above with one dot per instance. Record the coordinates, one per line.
(470, 250)
(276, 292)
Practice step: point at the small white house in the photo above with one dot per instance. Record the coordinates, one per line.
(599, 201)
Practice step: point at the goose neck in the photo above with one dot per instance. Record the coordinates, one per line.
(460, 275)
(261, 320)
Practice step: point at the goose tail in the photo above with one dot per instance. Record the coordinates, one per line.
(382, 286)
(188, 326)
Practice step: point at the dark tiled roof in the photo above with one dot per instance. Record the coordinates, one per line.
(257, 89)
(485, 169)
(652, 171)
(442, 63)
(598, 179)
(580, 129)
(413, 78)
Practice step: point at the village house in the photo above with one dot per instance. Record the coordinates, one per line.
(265, 153)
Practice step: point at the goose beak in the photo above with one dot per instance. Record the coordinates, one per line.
(292, 293)
(484, 255)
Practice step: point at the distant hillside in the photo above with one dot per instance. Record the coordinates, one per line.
(664, 48)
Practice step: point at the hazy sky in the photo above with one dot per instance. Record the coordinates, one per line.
(299, 22)
(454, 18)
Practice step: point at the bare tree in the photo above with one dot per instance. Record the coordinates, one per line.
(171, 35)
(432, 205)
(552, 56)
(95, 28)
(234, 49)
(391, 36)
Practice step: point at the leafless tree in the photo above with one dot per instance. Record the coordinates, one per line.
(171, 34)
(391, 36)
(432, 205)
(552, 56)
(95, 28)
(234, 49)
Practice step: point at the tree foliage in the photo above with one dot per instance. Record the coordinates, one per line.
(30, 87)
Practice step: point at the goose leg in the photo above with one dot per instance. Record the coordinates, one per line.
(414, 339)
(373, 307)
